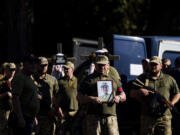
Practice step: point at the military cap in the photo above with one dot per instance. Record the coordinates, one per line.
(105, 50)
(155, 59)
(146, 60)
(68, 64)
(104, 85)
(4, 65)
(43, 60)
(102, 59)
(10, 66)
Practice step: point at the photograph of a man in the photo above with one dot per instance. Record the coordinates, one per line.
(105, 91)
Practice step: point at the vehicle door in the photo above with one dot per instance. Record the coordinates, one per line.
(131, 51)
(169, 49)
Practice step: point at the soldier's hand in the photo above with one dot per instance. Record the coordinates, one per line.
(60, 113)
(171, 106)
(119, 98)
(35, 121)
(116, 99)
(39, 96)
(9, 94)
(95, 100)
(92, 68)
(36, 125)
(145, 92)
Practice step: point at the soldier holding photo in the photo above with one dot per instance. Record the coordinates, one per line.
(101, 117)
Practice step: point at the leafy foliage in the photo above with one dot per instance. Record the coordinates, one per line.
(61, 20)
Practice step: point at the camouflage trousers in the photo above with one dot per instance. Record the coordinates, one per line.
(46, 126)
(156, 126)
(4, 122)
(101, 125)
(69, 126)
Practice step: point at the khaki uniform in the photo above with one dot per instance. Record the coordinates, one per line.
(48, 88)
(84, 73)
(69, 105)
(4, 115)
(104, 125)
(1, 76)
(161, 125)
(105, 97)
(113, 72)
(5, 107)
(99, 115)
(68, 93)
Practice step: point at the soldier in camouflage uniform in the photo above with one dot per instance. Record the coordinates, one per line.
(175, 73)
(25, 102)
(89, 69)
(101, 116)
(2, 69)
(158, 122)
(6, 97)
(47, 89)
(68, 101)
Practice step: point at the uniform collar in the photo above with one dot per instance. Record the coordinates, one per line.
(160, 77)
(45, 78)
(38, 77)
(67, 78)
(102, 75)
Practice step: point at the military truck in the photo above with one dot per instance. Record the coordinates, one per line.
(131, 49)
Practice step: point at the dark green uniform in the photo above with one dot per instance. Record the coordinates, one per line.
(101, 118)
(24, 87)
(151, 124)
(48, 88)
(69, 104)
(5, 104)
(5, 107)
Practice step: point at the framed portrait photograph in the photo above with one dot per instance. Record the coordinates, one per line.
(105, 90)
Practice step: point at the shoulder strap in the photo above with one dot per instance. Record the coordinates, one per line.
(70, 84)
(146, 82)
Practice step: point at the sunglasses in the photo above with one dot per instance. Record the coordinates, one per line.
(66, 69)
(43, 65)
(13, 69)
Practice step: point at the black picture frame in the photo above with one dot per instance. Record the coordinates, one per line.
(105, 90)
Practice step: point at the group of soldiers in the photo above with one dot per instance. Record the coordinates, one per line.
(36, 101)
